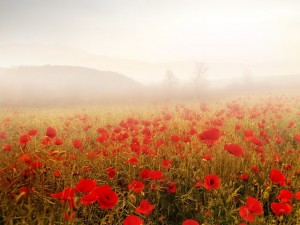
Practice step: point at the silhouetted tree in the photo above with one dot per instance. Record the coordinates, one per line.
(199, 77)
(171, 80)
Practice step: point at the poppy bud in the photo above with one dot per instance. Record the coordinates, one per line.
(266, 195)
(132, 198)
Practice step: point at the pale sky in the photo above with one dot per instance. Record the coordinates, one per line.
(251, 31)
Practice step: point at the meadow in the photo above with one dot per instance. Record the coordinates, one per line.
(233, 161)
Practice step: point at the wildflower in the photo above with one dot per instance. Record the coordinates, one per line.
(105, 196)
(133, 220)
(111, 172)
(167, 163)
(285, 196)
(133, 160)
(206, 157)
(51, 132)
(210, 136)
(66, 195)
(7, 147)
(211, 181)
(24, 139)
(57, 173)
(175, 138)
(277, 177)
(136, 186)
(32, 132)
(234, 149)
(253, 207)
(280, 208)
(77, 143)
(85, 185)
(244, 177)
(190, 222)
(145, 207)
(297, 138)
(171, 187)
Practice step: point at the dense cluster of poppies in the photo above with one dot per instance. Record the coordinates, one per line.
(219, 164)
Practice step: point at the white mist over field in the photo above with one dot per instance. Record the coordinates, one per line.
(72, 48)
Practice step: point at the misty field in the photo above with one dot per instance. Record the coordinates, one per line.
(226, 162)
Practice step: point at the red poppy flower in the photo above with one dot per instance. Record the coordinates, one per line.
(285, 196)
(248, 134)
(280, 208)
(58, 142)
(238, 127)
(253, 207)
(51, 132)
(234, 149)
(85, 185)
(256, 141)
(171, 188)
(190, 222)
(133, 160)
(7, 147)
(297, 195)
(136, 186)
(277, 177)
(145, 207)
(255, 169)
(90, 198)
(244, 177)
(297, 138)
(167, 163)
(144, 173)
(211, 181)
(26, 158)
(24, 139)
(288, 167)
(155, 174)
(106, 197)
(57, 173)
(133, 220)
(175, 138)
(291, 124)
(206, 157)
(111, 172)
(2, 135)
(278, 139)
(210, 136)
(32, 132)
(93, 154)
(46, 141)
(103, 137)
(36, 165)
(65, 195)
(77, 143)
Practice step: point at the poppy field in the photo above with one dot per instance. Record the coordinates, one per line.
(233, 161)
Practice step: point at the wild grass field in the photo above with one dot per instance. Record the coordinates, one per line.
(221, 162)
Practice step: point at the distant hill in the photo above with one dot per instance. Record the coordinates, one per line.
(61, 84)
(144, 72)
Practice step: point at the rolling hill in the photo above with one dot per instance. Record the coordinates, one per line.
(61, 84)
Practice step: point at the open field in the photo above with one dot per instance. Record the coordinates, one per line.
(228, 162)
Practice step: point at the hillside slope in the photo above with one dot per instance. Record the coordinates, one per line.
(63, 84)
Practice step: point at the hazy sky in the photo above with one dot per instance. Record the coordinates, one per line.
(159, 30)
